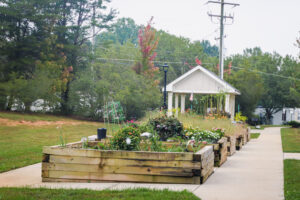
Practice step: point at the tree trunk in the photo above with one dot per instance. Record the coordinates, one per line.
(27, 106)
(10, 103)
(65, 100)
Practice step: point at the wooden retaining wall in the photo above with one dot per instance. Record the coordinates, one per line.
(239, 142)
(248, 134)
(231, 145)
(220, 151)
(73, 164)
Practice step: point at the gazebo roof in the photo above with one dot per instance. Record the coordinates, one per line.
(200, 81)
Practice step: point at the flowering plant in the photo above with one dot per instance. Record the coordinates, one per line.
(166, 127)
(132, 123)
(203, 135)
(127, 138)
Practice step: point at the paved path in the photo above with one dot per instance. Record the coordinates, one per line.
(291, 156)
(254, 173)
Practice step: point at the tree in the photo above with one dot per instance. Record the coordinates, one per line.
(122, 31)
(74, 28)
(114, 80)
(250, 96)
(147, 43)
(29, 51)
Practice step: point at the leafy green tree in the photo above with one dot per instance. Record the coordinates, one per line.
(250, 96)
(74, 28)
(122, 31)
(29, 51)
(113, 80)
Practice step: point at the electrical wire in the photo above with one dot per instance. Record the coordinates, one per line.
(170, 62)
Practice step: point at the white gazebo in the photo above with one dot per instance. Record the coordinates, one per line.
(200, 81)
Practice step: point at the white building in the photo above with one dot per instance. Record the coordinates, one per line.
(283, 115)
(200, 81)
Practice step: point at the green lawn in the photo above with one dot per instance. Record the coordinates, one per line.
(21, 145)
(292, 179)
(61, 194)
(255, 135)
(290, 139)
(31, 117)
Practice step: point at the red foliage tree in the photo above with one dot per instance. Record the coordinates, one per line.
(148, 43)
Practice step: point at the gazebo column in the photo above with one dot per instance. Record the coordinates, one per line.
(227, 102)
(176, 104)
(232, 105)
(170, 102)
(182, 103)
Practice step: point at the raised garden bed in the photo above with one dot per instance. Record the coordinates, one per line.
(231, 145)
(239, 142)
(248, 134)
(220, 151)
(75, 164)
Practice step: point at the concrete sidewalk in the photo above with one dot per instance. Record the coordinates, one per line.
(295, 156)
(254, 173)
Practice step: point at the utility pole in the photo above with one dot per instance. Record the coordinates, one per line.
(93, 39)
(222, 17)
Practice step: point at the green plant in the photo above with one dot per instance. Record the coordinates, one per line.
(127, 138)
(85, 142)
(62, 138)
(294, 124)
(166, 127)
(144, 128)
(240, 118)
(177, 148)
(204, 135)
(156, 144)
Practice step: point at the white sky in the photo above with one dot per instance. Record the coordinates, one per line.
(272, 25)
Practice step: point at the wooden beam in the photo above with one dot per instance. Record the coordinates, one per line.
(137, 155)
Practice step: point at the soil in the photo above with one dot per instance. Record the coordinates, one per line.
(8, 122)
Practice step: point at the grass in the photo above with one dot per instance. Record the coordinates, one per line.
(290, 140)
(21, 145)
(31, 117)
(62, 194)
(255, 135)
(292, 179)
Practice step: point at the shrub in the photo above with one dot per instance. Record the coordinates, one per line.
(294, 124)
(166, 127)
(127, 138)
(204, 135)
(240, 118)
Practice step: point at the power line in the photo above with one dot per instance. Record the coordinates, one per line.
(183, 60)
(269, 74)
(222, 17)
(169, 62)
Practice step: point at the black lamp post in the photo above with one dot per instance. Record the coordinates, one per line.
(165, 68)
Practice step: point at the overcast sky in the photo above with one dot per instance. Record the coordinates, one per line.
(272, 25)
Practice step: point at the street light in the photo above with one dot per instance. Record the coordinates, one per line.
(165, 68)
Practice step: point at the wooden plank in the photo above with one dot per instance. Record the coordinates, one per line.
(118, 169)
(207, 160)
(140, 155)
(74, 180)
(203, 153)
(204, 178)
(207, 167)
(124, 162)
(122, 177)
(222, 140)
(216, 146)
